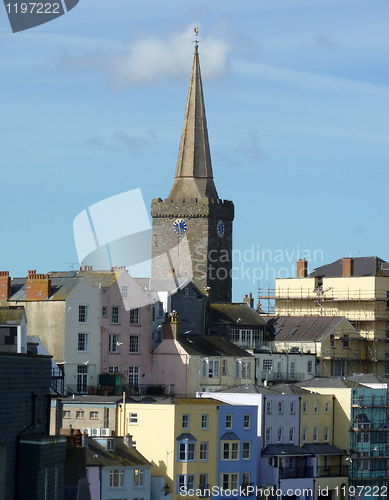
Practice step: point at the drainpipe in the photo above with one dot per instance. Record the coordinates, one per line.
(333, 419)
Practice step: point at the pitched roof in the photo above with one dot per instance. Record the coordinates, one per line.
(323, 449)
(363, 266)
(61, 288)
(94, 278)
(327, 382)
(211, 346)
(289, 389)
(235, 313)
(11, 315)
(123, 456)
(248, 389)
(194, 177)
(283, 450)
(304, 328)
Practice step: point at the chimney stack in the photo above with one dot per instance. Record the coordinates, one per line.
(171, 327)
(5, 285)
(38, 286)
(348, 266)
(249, 300)
(302, 268)
(127, 440)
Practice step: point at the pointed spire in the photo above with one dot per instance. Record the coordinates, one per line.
(194, 177)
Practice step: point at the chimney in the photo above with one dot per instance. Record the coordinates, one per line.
(127, 440)
(38, 286)
(171, 327)
(302, 268)
(5, 285)
(77, 437)
(84, 439)
(348, 266)
(249, 300)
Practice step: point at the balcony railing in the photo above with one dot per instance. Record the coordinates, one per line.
(295, 472)
(57, 381)
(333, 470)
(273, 376)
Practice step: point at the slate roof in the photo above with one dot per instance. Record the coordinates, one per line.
(363, 266)
(328, 382)
(304, 328)
(289, 389)
(248, 389)
(367, 378)
(283, 450)
(230, 436)
(11, 315)
(61, 288)
(94, 278)
(323, 449)
(123, 456)
(235, 313)
(206, 345)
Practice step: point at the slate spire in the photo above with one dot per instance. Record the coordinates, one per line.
(194, 177)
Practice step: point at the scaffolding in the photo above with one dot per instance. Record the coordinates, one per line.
(369, 439)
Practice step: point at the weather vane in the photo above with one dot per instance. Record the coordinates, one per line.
(196, 42)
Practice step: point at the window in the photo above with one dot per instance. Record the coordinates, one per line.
(114, 369)
(305, 406)
(110, 445)
(134, 316)
(268, 435)
(246, 480)
(224, 367)
(124, 291)
(292, 407)
(83, 314)
(185, 482)
(279, 435)
(138, 477)
(327, 407)
(204, 421)
(210, 368)
(280, 407)
(315, 434)
(134, 343)
(160, 311)
(246, 450)
(82, 378)
(338, 367)
(304, 435)
(104, 312)
(133, 376)
(228, 421)
(291, 434)
(186, 452)
(332, 341)
(133, 418)
(316, 407)
(229, 481)
(66, 414)
(186, 291)
(230, 450)
(93, 415)
(293, 370)
(247, 421)
(346, 342)
(114, 343)
(203, 485)
(80, 414)
(326, 434)
(204, 451)
(268, 407)
(82, 342)
(185, 421)
(310, 366)
(267, 364)
(116, 478)
(243, 369)
(115, 315)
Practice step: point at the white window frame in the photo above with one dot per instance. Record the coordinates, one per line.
(229, 420)
(134, 316)
(185, 421)
(268, 407)
(304, 434)
(83, 341)
(268, 435)
(204, 421)
(291, 434)
(83, 311)
(186, 451)
(204, 451)
(230, 451)
(133, 419)
(326, 434)
(292, 407)
(246, 450)
(316, 407)
(279, 434)
(133, 344)
(124, 291)
(247, 421)
(116, 476)
(139, 478)
(305, 406)
(315, 434)
(114, 315)
(210, 368)
(113, 343)
(280, 407)
(133, 376)
(327, 407)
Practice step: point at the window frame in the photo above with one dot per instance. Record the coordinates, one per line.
(185, 421)
(247, 421)
(134, 316)
(83, 316)
(246, 450)
(138, 478)
(229, 420)
(84, 342)
(134, 347)
(117, 474)
(204, 421)
(203, 453)
(114, 315)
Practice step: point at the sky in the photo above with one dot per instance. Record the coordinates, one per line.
(297, 102)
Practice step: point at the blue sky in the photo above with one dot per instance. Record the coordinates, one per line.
(296, 96)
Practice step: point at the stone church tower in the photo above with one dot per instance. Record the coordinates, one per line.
(192, 227)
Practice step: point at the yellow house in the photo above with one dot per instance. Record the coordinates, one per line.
(179, 438)
(356, 288)
(339, 349)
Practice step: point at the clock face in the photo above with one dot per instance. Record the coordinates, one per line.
(220, 228)
(180, 227)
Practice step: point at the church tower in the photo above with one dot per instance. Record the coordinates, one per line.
(192, 227)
